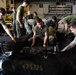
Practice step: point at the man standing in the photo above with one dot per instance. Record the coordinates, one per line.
(19, 17)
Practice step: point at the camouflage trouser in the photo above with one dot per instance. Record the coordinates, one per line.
(20, 31)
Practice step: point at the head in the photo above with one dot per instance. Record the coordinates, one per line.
(25, 3)
(39, 22)
(13, 9)
(2, 12)
(73, 27)
(35, 13)
(60, 21)
(54, 19)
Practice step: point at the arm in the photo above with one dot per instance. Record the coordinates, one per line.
(18, 19)
(45, 39)
(34, 38)
(66, 48)
(66, 27)
(8, 32)
(72, 44)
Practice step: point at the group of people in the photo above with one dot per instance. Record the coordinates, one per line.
(42, 31)
(22, 23)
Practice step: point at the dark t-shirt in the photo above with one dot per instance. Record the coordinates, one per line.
(40, 32)
(21, 9)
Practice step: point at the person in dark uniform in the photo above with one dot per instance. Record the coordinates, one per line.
(40, 33)
(14, 22)
(20, 29)
(2, 22)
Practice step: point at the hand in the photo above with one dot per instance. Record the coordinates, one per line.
(62, 50)
(32, 45)
(44, 45)
(21, 25)
(13, 40)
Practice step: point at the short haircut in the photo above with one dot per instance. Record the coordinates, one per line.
(73, 24)
(27, 1)
(35, 13)
(54, 17)
(2, 10)
(39, 20)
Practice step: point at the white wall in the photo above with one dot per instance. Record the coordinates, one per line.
(3, 3)
(74, 9)
(34, 7)
(44, 10)
(17, 4)
(41, 11)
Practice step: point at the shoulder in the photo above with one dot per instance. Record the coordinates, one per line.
(19, 7)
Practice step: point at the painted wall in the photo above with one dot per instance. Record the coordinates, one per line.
(3, 3)
(42, 8)
(74, 7)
